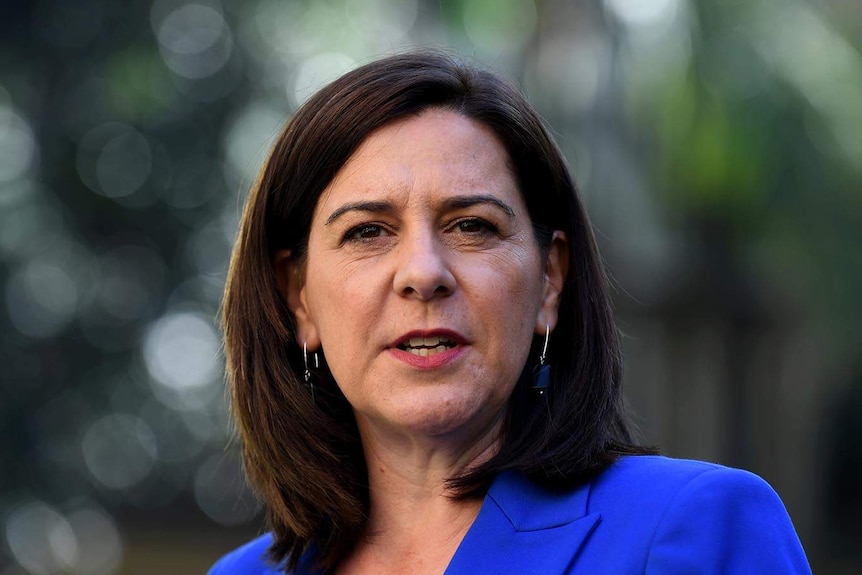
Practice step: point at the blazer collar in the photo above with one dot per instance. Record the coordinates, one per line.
(524, 528)
(521, 528)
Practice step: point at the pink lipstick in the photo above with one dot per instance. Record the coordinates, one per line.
(428, 349)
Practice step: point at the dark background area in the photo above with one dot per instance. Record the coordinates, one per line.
(718, 145)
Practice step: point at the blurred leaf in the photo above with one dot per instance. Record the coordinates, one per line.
(139, 82)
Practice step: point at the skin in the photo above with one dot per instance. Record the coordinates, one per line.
(423, 228)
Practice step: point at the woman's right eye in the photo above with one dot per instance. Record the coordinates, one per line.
(364, 232)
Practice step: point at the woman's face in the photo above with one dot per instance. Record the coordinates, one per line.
(423, 282)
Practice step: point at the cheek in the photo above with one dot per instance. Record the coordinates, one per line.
(510, 295)
(517, 283)
(343, 302)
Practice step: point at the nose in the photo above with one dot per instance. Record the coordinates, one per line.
(423, 271)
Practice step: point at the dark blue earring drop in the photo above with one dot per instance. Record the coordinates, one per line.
(542, 372)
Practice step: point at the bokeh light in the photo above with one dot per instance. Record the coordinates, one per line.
(221, 491)
(41, 539)
(42, 298)
(99, 542)
(317, 71)
(181, 353)
(644, 13)
(120, 450)
(274, 22)
(194, 39)
(570, 72)
(179, 437)
(17, 145)
(246, 141)
(208, 249)
(82, 541)
(114, 160)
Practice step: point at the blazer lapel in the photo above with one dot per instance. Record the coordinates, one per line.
(523, 529)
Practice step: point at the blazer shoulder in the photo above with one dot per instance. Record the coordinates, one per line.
(690, 514)
(250, 559)
(644, 468)
(635, 479)
(640, 488)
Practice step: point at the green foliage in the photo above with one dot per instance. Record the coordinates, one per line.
(139, 83)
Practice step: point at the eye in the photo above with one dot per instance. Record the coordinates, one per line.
(365, 232)
(474, 226)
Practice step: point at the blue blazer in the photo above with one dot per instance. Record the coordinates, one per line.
(644, 515)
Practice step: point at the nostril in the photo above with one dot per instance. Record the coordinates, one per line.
(423, 274)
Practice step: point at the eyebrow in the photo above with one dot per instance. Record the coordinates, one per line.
(458, 202)
(453, 203)
(376, 207)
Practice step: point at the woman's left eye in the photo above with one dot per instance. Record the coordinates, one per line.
(475, 226)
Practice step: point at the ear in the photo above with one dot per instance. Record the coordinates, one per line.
(290, 276)
(556, 269)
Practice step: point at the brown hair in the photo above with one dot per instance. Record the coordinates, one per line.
(304, 456)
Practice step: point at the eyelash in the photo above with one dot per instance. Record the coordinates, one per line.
(484, 224)
(353, 234)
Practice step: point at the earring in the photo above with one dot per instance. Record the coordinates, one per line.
(542, 372)
(307, 376)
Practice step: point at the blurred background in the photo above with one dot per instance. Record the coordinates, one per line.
(718, 145)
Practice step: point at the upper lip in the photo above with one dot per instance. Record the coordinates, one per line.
(447, 334)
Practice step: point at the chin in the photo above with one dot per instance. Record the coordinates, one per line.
(434, 425)
(442, 418)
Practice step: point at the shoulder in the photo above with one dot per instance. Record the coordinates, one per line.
(664, 476)
(658, 484)
(250, 559)
(685, 514)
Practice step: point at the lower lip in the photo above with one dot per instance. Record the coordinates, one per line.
(427, 361)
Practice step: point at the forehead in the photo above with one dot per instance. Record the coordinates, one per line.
(437, 153)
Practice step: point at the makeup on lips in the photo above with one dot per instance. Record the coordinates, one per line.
(426, 346)
(428, 349)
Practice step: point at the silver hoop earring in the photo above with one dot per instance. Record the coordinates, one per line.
(308, 376)
(542, 372)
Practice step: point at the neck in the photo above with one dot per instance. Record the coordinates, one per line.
(412, 470)
(413, 519)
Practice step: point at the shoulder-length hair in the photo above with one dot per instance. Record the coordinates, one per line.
(302, 455)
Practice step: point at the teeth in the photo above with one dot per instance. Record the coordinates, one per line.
(425, 351)
(433, 341)
(426, 341)
(425, 346)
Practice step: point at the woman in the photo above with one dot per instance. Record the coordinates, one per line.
(423, 364)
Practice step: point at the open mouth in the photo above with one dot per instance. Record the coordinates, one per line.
(425, 346)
